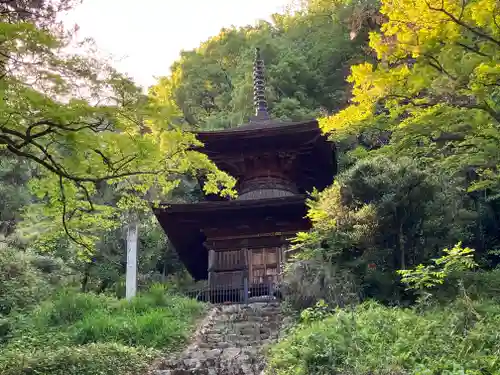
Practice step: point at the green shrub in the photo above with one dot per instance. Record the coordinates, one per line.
(155, 328)
(381, 340)
(478, 285)
(158, 296)
(55, 270)
(21, 284)
(69, 307)
(85, 333)
(308, 281)
(92, 359)
(154, 319)
(317, 312)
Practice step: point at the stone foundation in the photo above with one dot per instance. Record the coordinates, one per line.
(230, 341)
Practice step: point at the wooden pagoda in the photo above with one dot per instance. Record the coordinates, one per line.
(232, 242)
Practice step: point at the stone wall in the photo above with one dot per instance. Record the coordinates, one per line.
(230, 341)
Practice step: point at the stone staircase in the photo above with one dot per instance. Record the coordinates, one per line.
(230, 341)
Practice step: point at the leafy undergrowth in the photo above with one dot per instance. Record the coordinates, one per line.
(455, 339)
(87, 334)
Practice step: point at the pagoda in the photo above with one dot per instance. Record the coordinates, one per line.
(242, 240)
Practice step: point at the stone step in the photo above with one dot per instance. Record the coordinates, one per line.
(230, 342)
(250, 318)
(213, 371)
(245, 323)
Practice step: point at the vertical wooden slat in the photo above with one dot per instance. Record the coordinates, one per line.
(245, 290)
(212, 264)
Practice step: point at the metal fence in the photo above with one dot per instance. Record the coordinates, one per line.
(237, 294)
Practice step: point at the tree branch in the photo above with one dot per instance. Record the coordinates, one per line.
(459, 22)
(61, 173)
(439, 67)
(59, 170)
(474, 49)
(63, 217)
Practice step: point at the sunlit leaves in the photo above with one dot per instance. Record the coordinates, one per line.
(423, 278)
(89, 129)
(436, 88)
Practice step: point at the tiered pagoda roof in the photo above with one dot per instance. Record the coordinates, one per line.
(275, 163)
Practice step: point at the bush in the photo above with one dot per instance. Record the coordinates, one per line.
(92, 359)
(478, 285)
(21, 284)
(381, 340)
(84, 333)
(54, 270)
(154, 319)
(308, 281)
(69, 307)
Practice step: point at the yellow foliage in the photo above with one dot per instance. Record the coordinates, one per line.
(432, 52)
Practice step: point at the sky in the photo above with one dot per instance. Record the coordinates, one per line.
(146, 36)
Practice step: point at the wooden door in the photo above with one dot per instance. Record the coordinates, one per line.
(264, 264)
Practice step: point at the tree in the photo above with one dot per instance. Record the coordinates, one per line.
(307, 55)
(86, 126)
(14, 194)
(41, 12)
(381, 215)
(436, 88)
(433, 96)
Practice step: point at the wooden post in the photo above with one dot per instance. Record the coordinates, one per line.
(245, 290)
(131, 272)
(212, 260)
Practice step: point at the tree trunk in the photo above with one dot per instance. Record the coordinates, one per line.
(401, 246)
(85, 278)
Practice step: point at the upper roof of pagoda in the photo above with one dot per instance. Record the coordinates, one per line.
(261, 123)
(235, 150)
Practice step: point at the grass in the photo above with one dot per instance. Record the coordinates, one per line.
(78, 333)
(375, 339)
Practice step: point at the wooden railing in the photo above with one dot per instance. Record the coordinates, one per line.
(244, 292)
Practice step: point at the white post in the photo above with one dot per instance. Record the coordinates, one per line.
(131, 273)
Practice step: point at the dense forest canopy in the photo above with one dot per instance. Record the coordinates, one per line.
(307, 52)
(78, 162)
(381, 88)
(81, 124)
(419, 146)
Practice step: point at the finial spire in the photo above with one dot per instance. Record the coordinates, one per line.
(259, 88)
